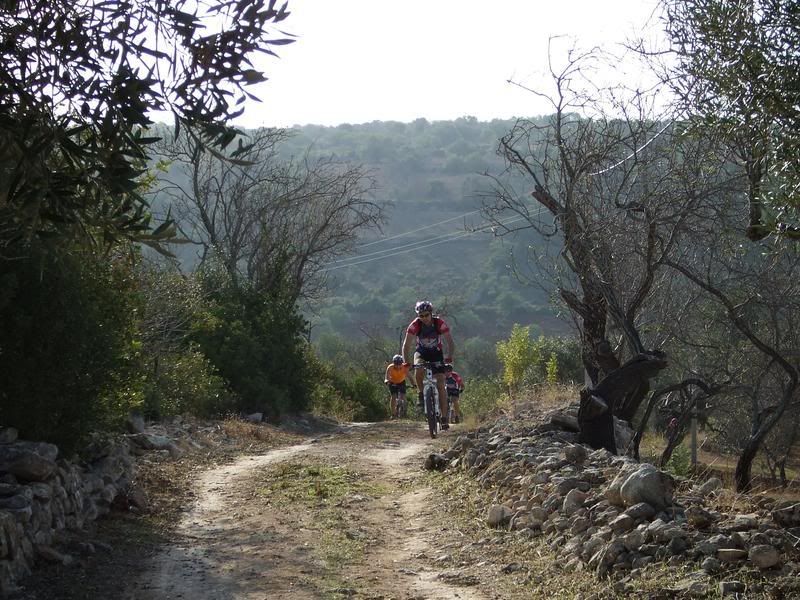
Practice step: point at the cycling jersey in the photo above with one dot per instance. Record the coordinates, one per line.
(454, 384)
(428, 336)
(396, 373)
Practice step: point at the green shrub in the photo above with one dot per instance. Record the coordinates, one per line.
(256, 341)
(482, 397)
(187, 383)
(346, 394)
(69, 361)
(680, 463)
(517, 354)
(551, 369)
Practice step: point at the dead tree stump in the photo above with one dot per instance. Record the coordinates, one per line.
(598, 405)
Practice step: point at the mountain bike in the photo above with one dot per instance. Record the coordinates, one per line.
(452, 417)
(400, 403)
(401, 406)
(430, 397)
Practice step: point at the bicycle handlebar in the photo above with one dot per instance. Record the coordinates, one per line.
(428, 364)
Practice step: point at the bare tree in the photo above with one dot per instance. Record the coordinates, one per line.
(270, 221)
(601, 185)
(757, 287)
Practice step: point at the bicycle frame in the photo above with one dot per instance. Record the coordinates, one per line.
(430, 395)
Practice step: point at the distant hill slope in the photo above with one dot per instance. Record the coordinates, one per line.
(431, 179)
(431, 173)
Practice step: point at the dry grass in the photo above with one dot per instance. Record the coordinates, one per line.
(246, 432)
(711, 463)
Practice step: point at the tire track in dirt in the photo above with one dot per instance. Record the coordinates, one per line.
(231, 545)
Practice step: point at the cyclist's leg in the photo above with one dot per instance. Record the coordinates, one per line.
(457, 408)
(401, 398)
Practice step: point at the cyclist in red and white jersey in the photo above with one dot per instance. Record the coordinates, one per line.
(426, 334)
(455, 385)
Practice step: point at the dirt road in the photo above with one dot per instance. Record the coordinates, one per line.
(347, 515)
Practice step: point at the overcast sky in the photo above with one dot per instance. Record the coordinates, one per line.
(357, 61)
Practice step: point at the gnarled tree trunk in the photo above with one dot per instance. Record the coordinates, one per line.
(598, 406)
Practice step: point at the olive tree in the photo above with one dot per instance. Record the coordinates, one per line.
(80, 81)
(734, 66)
(599, 197)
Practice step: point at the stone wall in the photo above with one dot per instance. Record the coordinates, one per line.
(42, 494)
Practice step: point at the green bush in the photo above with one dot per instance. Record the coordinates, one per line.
(187, 383)
(347, 395)
(680, 463)
(554, 360)
(69, 361)
(482, 397)
(256, 342)
(517, 354)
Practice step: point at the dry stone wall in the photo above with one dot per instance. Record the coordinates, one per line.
(43, 495)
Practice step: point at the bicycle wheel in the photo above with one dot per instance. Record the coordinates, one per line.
(430, 411)
(401, 408)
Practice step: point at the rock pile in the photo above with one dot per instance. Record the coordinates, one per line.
(612, 515)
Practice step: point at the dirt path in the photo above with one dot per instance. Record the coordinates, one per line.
(348, 515)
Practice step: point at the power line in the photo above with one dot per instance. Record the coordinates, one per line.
(634, 153)
(444, 235)
(454, 234)
(432, 242)
(460, 235)
(399, 235)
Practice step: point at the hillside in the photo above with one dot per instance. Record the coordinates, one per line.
(431, 179)
(434, 245)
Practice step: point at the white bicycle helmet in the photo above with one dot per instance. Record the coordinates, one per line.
(423, 306)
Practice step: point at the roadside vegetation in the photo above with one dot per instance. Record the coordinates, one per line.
(670, 234)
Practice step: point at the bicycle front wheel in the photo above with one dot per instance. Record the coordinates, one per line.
(430, 411)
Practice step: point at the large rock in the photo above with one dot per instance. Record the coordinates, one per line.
(648, 484)
(612, 492)
(764, 556)
(787, 514)
(623, 434)
(499, 515)
(26, 463)
(709, 486)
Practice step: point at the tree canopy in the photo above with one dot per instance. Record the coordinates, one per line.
(738, 70)
(80, 80)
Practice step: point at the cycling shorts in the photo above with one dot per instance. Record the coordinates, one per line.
(434, 355)
(397, 388)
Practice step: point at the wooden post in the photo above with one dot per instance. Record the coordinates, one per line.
(694, 433)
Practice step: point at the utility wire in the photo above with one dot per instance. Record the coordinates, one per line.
(432, 242)
(392, 249)
(366, 260)
(627, 158)
(634, 153)
(399, 235)
(417, 243)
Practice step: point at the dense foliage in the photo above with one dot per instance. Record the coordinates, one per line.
(256, 341)
(79, 81)
(738, 71)
(69, 361)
